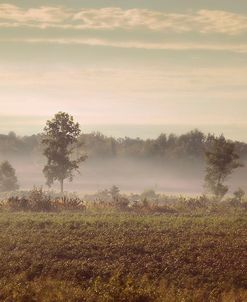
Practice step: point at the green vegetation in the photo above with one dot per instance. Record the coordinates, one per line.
(92, 256)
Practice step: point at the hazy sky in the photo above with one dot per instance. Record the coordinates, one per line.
(132, 67)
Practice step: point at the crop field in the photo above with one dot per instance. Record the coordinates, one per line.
(122, 257)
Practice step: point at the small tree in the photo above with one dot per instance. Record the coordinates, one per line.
(114, 192)
(221, 161)
(239, 194)
(60, 140)
(148, 194)
(8, 179)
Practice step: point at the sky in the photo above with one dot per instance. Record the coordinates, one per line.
(125, 68)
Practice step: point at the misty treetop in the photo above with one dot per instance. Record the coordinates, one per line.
(189, 146)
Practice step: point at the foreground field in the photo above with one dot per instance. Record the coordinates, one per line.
(122, 257)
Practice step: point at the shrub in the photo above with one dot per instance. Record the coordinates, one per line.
(122, 203)
(40, 200)
(69, 203)
(18, 203)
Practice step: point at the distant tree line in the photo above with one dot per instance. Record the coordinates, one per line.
(62, 144)
(189, 146)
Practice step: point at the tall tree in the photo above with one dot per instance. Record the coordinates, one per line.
(61, 141)
(8, 179)
(221, 160)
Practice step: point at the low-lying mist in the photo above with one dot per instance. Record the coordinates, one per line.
(129, 174)
(169, 164)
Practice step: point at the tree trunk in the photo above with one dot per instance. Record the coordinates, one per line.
(61, 186)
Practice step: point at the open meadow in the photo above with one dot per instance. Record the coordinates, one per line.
(120, 256)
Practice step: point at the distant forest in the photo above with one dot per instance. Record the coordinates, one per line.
(189, 146)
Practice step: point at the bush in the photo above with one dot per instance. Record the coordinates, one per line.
(40, 201)
(18, 203)
(69, 203)
(121, 203)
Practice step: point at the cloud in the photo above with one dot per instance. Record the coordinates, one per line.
(110, 18)
(221, 22)
(33, 16)
(236, 48)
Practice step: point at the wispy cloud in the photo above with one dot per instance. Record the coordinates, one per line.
(33, 16)
(236, 48)
(110, 18)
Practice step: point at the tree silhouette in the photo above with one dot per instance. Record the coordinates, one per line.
(61, 140)
(8, 179)
(221, 161)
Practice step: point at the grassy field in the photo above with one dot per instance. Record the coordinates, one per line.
(122, 257)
